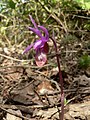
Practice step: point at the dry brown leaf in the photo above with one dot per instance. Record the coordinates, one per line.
(11, 73)
(14, 73)
(13, 117)
(80, 111)
(51, 112)
(45, 87)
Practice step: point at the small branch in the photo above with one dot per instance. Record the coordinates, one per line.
(1, 107)
(14, 59)
(53, 16)
(79, 16)
(24, 66)
(1, 15)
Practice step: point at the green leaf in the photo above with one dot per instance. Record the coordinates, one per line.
(11, 4)
(84, 61)
(85, 4)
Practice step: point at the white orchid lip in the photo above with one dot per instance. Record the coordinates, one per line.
(40, 59)
(41, 56)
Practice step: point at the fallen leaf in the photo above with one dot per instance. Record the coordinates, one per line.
(80, 111)
(51, 112)
(45, 87)
(11, 73)
(13, 117)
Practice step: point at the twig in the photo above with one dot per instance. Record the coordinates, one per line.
(24, 66)
(83, 17)
(53, 16)
(1, 107)
(1, 15)
(14, 59)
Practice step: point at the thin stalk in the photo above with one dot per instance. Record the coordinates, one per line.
(60, 78)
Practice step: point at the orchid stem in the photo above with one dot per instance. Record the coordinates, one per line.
(60, 78)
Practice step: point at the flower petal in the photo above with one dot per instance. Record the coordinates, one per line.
(28, 48)
(46, 32)
(40, 58)
(45, 48)
(33, 22)
(38, 44)
(36, 31)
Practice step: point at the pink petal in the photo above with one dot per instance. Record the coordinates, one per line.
(33, 22)
(46, 33)
(38, 44)
(40, 59)
(36, 31)
(28, 48)
(46, 48)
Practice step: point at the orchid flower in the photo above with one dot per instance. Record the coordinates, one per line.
(40, 46)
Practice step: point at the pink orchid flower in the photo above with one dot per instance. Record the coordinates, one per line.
(40, 46)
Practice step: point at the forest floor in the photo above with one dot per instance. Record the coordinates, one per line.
(31, 93)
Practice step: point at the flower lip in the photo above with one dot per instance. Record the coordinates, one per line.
(40, 58)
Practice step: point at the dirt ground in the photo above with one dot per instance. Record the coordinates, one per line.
(31, 93)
